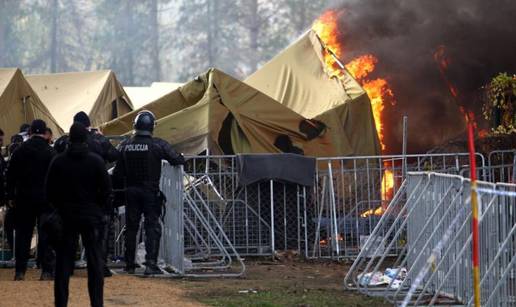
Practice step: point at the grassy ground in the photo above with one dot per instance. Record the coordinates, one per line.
(281, 284)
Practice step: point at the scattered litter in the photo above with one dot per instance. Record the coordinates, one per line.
(248, 291)
(384, 278)
(187, 263)
(140, 253)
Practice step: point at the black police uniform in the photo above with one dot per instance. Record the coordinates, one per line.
(99, 144)
(139, 167)
(26, 173)
(78, 185)
(3, 167)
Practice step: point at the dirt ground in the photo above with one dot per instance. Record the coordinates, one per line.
(120, 290)
(293, 283)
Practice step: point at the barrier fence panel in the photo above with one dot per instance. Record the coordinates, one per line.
(172, 238)
(186, 208)
(248, 213)
(434, 266)
(352, 193)
(502, 166)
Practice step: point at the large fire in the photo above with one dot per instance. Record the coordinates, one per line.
(378, 90)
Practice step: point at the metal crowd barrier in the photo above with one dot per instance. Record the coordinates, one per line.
(502, 166)
(432, 225)
(329, 220)
(189, 217)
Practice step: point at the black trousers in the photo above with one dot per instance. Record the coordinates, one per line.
(9, 223)
(25, 219)
(142, 201)
(91, 230)
(108, 240)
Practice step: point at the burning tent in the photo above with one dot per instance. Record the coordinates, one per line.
(300, 79)
(20, 104)
(98, 93)
(217, 112)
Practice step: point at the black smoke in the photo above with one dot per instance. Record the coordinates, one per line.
(479, 37)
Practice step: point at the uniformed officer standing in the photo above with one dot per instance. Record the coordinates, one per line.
(97, 143)
(139, 168)
(3, 166)
(26, 186)
(79, 187)
(100, 145)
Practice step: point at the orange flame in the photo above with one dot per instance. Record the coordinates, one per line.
(376, 212)
(362, 66)
(387, 184)
(378, 90)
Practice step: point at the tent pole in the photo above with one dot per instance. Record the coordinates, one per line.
(272, 218)
(404, 148)
(25, 107)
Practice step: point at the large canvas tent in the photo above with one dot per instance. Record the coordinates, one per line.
(217, 112)
(297, 78)
(143, 95)
(98, 93)
(20, 104)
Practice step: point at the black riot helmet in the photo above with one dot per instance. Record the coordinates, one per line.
(144, 123)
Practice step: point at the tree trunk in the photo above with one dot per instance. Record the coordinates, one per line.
(213, 27)
(156, 68)
(129, 63)
(254, 32)
(54, 50)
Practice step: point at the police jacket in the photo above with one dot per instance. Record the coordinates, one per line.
(26, 171)
(97, 143)
(3, 166)
(140, 161)
(78, 182)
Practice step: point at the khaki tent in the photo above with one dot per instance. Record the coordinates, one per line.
(297, 79)
(220, 113)
(98, 93)
(20, 104)
(143, 95)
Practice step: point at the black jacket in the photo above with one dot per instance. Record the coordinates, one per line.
(26, 172)
(78, 182)
(140, 161)
(3, 166)
(97, 143)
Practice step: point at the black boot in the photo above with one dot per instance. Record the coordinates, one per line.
(107, 272)
(152, 269)
(46, 276)
(130, 269)
(18, 276)
(151, 258)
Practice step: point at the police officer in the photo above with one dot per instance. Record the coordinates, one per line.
(19, 138)
(139, 168)
(26, 173)
(3, 166)
(99, 144)
(79, 187)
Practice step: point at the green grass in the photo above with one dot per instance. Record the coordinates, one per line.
(278, 298)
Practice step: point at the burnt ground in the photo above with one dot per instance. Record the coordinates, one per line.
(266, 283)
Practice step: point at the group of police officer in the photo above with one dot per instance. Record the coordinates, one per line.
(65, 190)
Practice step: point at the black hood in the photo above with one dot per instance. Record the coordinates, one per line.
(77, 150)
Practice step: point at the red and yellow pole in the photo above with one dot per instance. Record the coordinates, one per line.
(474, 208)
